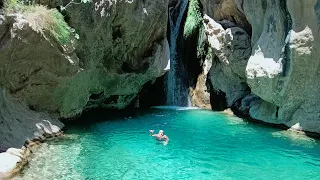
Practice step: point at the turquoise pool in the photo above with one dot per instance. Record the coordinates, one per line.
(203, 145)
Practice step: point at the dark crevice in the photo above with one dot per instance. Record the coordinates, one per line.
(277, 113)
(191, 57)
(128, 68)
(287, 27)
(5, 36)
(152, 94)
(116, 33)
(96, 96)
(111, 100)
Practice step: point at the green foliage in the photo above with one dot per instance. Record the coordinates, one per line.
(60, 28)
(194, 18)
(42, 19)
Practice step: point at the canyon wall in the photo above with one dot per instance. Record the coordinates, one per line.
(282, 68)
(97, 54)
(56, 63)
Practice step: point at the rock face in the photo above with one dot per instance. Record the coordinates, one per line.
(232, 49)
(226, 10)
(200, 95)
(103, 60)
(121, 46)
(283, 67)
(18, 123)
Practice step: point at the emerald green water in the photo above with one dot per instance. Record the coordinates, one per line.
(203, 145)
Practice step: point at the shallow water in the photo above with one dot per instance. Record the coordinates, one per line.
(203, 145)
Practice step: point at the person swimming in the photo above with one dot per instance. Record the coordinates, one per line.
(160, 136)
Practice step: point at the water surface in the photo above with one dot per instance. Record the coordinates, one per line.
(203, 145)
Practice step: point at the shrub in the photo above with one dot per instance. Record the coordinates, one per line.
(42, 19)
(194, 18)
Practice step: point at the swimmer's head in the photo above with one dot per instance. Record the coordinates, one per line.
(161, 132)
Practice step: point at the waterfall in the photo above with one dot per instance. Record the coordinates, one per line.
(177, 80)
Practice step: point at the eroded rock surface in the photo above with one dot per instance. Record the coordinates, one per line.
(112, 50)
(18, 123)
(220, 10)
(232, 49)
(122, 45)
(282, 70)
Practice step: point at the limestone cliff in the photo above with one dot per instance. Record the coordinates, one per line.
(97, 54)
(282, 69)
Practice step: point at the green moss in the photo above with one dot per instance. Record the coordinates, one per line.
(194, 18)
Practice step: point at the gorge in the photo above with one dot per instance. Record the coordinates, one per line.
(63, 59)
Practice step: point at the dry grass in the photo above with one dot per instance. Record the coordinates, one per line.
(41, 19)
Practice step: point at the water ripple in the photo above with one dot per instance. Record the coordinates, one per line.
(203, 145)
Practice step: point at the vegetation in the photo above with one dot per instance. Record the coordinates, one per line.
(194, 18)
(41, 19)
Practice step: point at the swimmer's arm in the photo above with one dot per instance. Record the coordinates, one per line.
(151, 133)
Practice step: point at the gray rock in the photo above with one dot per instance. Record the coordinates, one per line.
(18, 123)
(284, 67)
(232, 49)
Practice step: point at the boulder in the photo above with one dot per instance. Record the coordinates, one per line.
(12, 161)
(8, 163)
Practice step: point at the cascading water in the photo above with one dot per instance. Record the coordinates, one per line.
(177, 81)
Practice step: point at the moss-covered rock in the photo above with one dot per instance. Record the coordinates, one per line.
(101, 56)
(194, 18)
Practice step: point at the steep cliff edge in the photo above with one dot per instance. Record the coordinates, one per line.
(282, 71)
